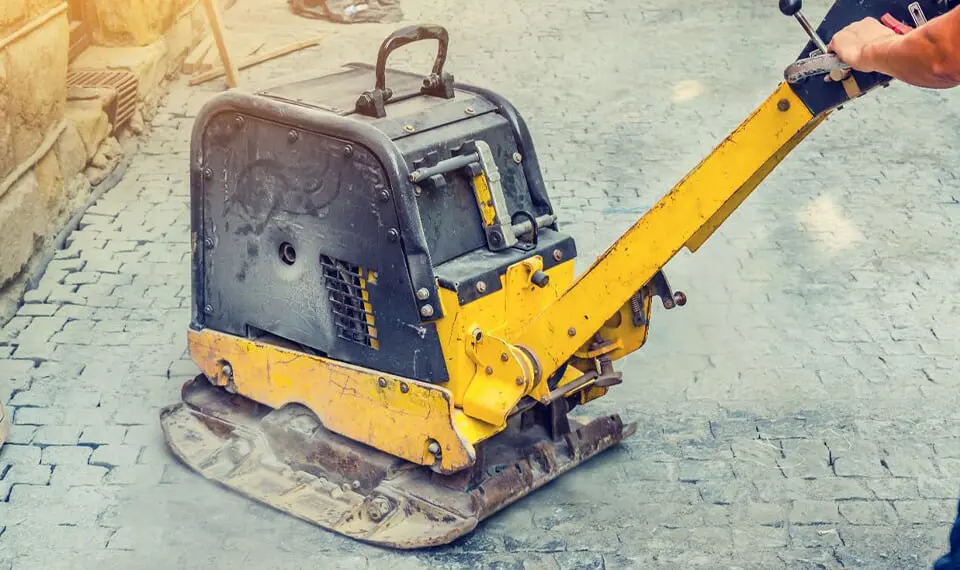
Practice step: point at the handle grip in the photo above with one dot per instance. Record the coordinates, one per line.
(408, 35)
(439, 84)
(790, 7)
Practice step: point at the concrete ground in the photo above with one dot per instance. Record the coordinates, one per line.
(799, 412)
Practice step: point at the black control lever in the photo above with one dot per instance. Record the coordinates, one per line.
(824, 64)
(792, 8)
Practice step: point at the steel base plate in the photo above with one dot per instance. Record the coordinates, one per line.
(284, 458)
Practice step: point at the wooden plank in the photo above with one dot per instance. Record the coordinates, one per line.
(251, 61)
(193, 61)
(213, 17)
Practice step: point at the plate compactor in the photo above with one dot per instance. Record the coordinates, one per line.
(385, 311)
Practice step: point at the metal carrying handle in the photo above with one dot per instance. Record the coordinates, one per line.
(408, 35)
(439, 84)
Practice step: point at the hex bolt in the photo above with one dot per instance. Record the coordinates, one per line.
(517, 157)
(519, 381)
(504, 357)
(227, 370)
(208, 242)
(383, 195)
(382, 382)
(404, 388)
(207, 173)
(572, 331)
(378, 508)
(393, 235)
(426, 310)
(409, 128)
(557, 255)
(783, 105)
(423, 294)
(239, 121)
(293, 136)
(208, 309)
(469, 111)
(488, 370)
(481, 287)
(348, 150)
(434, 448)
(477, 335)
(540, 279)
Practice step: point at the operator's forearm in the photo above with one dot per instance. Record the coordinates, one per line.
(928, 56)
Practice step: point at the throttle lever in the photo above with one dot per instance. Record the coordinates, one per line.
(792, 8)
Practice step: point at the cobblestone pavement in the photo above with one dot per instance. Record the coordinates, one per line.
(799, 412)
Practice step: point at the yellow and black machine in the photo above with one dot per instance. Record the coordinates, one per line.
(386, 315)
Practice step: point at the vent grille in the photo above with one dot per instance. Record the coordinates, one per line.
(349, 301)
(124, 83)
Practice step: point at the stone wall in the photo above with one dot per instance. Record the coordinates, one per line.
(131, 22)
(57, 143)
(33, 71)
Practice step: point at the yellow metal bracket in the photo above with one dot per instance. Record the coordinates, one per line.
(503, 376)
(400, 416)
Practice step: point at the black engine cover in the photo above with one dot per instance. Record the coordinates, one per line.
(307, 229)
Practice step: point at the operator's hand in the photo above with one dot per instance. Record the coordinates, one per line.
(852, 43)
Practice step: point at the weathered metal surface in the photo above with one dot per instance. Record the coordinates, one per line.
(284, 458)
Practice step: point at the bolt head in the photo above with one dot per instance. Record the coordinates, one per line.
(383, 195)
(238, 121)
(423, 294)
(426, 311)
(504, 357)
(783, 105)
(378, 508)
(404, 388)
(519, 381)
(348, 150)
(207, 173)
(572, 331)
(227, 371)
(557, 255)
(517, 157)
(208, 242)
(382, 382)
(409, 128)
(481, 287)
(293, 136)
(488, 370)
(393, 235)
(208, 309)
(434, 448)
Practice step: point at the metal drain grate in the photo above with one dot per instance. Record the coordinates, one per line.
(349, 301)
(124, 84)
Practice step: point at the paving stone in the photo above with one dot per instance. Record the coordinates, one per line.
(113, 455)
(37, 310)
(806, 512)
(70, 475)
(28, 474)
(868, 512)
(927, 511)
(102, 435)
(59, 454)
(57, 435)
(893, 489)
(20, 454)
